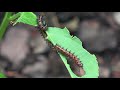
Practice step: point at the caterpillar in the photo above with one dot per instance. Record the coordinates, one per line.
(69, 54)
(78, 70)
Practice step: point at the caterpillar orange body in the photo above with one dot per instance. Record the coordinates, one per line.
(68, 54)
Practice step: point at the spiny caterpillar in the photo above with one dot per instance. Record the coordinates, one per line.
(79, 67)
(43, 26)
(69, 54)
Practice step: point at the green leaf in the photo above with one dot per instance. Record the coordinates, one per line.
(63, 38)
(27, 18)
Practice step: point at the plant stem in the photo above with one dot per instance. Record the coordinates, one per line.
(5, 24)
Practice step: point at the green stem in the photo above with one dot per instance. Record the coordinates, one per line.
(5, 24)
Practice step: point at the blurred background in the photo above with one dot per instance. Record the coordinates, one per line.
(25, 54)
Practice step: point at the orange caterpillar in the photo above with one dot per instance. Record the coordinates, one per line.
(68, 54)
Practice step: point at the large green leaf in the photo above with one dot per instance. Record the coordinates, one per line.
(62, 38)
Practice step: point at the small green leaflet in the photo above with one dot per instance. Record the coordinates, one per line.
(63, 38)
(27, 18)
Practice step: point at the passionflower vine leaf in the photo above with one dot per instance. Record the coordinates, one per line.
(27, 18)
(62, 37)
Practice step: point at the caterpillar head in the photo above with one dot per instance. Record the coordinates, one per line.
(42, 25)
